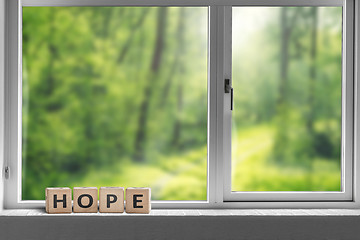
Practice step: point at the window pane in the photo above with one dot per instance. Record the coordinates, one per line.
(115, 96)
(286, 133)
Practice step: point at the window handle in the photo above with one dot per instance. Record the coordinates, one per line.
(232, 99)
(229, 89)
(7, 172)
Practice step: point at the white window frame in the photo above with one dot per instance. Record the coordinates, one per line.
(347, 128)
(219, 193)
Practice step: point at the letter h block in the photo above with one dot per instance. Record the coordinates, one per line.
(58, 200)
(85, 200)
(138, 200)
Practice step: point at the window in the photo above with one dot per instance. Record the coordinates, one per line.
(286, 123)
(117, 99)
(252, 106)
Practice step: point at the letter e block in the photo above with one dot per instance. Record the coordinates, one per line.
(138, 200)
(85, 199)
(58, 200)
(111, 200)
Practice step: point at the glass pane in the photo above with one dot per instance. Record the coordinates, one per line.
(115, 96)
(286, 132)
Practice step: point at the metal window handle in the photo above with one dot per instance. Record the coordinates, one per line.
(7, 172)
(229, 89)
(232, 99)
(227, 86)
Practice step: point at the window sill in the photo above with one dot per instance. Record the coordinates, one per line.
(197, 212)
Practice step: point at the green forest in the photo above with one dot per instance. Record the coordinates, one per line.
(117, 96)
(287, 116)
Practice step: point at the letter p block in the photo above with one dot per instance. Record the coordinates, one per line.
(111, 200)
(58, 200)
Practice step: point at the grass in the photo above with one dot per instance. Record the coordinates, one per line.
(184, 176)
(180, 177)
(252, 170)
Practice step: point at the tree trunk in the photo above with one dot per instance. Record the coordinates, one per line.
(312, 73)
(53, 54)
(311, 86)
(281, 105)
(181, 52)
(177, 125)
(177, 60)
(130, 39)
(284, 58)
(140, 139)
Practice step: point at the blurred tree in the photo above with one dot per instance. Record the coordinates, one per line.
(130, 39)
(312, 79)
(287, 25)
(140, 140)
(180, 87)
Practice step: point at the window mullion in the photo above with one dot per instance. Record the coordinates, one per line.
(219, 70)
(212, 113)
(226, 97)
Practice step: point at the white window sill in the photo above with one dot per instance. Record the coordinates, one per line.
(198, 212)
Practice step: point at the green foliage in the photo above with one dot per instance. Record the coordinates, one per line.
(287, 78)
(98, 112)
(89, 75)
(252, 171)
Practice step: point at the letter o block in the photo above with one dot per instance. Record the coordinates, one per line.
(111, 200)
(138, 200)
(85, 199)
(58, 200)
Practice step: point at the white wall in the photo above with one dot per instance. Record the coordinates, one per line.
(95, 227)
(2, 75)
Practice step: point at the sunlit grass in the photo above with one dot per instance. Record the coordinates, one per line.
(252, 170)
(180, 177)
(184, 176)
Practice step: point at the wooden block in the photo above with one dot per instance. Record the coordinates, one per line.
(58, 200)
(111, 200)
(85, 199)
(138, 200)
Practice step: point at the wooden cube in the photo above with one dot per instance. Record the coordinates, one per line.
(58, 200)
(111, 200)
(138, 200)
(85, 199)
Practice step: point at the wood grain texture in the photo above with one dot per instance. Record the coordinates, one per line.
(85, 200)
(111, 200)
(58, 200)
(138, 200)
